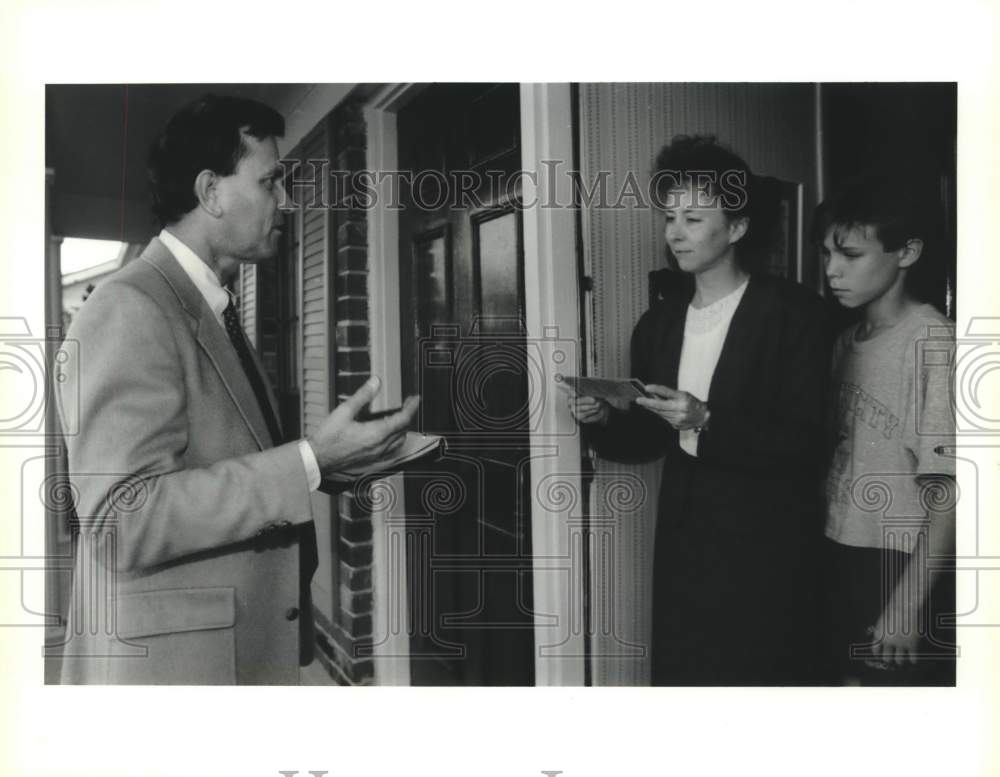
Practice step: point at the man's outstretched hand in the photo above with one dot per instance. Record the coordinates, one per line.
(342, 442)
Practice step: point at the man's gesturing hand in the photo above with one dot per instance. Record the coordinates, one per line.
(342, 443)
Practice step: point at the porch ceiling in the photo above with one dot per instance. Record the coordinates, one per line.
(97, 137)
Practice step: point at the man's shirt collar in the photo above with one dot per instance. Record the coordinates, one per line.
(201, 275)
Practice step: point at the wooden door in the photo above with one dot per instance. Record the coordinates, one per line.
(910, 127)
(464, 350)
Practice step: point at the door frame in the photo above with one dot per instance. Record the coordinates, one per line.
(552, 298)
(392, 654)
(551, 312)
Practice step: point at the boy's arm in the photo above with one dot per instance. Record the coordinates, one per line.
(897, 628)
(930, 432)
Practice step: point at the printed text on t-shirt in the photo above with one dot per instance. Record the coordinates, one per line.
(853, 401)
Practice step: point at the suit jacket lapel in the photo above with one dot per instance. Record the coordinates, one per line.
(213, 340)
(673, 336)
(271, 398)
(728, 378)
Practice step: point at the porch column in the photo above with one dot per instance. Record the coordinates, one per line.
(552, 318)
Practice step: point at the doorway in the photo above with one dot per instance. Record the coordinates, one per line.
(463, 348)
(907, 127)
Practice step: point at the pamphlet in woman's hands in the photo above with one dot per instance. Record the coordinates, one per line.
(618, 391)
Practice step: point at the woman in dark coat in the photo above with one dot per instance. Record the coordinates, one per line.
(736, 365)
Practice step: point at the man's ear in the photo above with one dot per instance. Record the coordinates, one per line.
(910, 252)
(206, 190)
(738, 228)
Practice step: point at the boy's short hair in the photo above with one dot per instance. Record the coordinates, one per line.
(206, 134)
(896, 204)
(899, 205)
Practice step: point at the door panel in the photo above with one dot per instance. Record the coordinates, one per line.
(496, 242)
(464, 351)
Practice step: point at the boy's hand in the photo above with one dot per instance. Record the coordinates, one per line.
(894, 650)
(678, 408)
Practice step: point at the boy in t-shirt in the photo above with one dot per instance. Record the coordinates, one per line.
(890, 487)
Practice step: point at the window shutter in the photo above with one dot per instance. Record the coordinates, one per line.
(316, 296)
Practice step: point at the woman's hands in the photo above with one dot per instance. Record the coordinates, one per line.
(586, 410)
(678, 408)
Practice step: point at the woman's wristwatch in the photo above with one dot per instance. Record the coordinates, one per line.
(708, 415)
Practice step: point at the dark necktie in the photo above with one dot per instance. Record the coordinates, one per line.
(235, 332)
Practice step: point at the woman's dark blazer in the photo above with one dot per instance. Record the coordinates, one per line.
(738, 526)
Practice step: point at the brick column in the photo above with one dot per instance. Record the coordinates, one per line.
(343, 643)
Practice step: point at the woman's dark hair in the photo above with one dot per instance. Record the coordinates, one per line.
(703, 163)
(206, 134)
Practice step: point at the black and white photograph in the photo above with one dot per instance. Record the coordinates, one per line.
(435, 403)
(402, 253)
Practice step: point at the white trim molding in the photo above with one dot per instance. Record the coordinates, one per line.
(383, 252)
(551, 286)
(392, 648)
(304, 106)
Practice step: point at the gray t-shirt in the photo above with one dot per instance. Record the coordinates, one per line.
(894, 420)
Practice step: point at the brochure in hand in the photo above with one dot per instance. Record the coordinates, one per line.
(618, 391)
(415, 446)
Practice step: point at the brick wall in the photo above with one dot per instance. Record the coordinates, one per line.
(345, 644)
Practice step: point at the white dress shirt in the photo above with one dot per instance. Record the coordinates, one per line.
(705, 331)
(207, 282)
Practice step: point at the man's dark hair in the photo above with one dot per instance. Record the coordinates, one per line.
(206, 134)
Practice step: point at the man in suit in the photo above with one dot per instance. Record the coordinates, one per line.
(197, 544)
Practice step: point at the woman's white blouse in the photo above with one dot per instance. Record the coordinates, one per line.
(705, 331)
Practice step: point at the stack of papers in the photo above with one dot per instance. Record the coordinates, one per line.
(415, 446)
